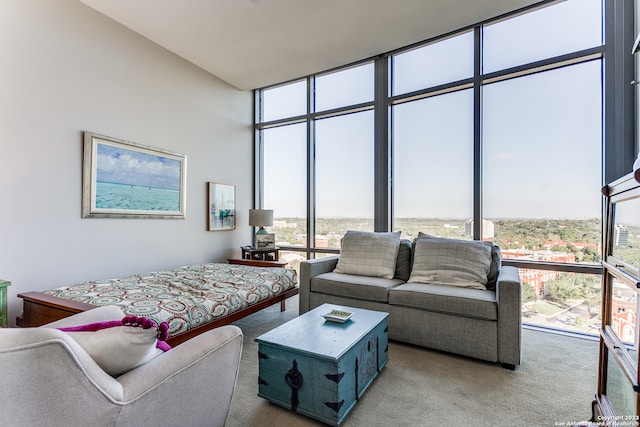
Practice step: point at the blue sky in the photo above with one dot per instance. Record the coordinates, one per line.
(122, 166)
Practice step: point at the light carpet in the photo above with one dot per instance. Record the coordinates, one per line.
(554, 386)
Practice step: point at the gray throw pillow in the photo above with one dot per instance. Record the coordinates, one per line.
(494, 268)
(496, 258)
(366, 253)
(463, 263)
(403, 262)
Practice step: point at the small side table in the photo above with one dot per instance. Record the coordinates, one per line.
(249, 252)
(3, 302)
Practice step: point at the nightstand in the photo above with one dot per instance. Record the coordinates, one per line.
(3, 302)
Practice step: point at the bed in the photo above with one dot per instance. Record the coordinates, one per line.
(192, 299)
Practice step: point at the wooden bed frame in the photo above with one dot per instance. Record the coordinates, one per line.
(39, 309)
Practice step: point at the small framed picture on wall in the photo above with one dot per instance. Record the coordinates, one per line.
(221, 207)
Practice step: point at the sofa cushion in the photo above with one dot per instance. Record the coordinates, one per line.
(369, 254)
(451, 262)
(496, 259)
(447, 299)
(352, 286)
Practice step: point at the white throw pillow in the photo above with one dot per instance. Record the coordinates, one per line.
(118, 349)
(371, 254)
(447, 262)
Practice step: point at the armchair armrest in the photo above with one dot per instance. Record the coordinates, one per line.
(509, 298)
(193, 381)
(308, 270)
(210, 360)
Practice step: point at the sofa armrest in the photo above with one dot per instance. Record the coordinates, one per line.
(509, 298)
(308, 270)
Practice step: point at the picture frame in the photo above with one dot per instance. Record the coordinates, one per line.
(122, 179)
(221, 211)
(265, 241)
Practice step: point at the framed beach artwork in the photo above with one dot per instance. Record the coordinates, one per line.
(221, 207)
(126, 180)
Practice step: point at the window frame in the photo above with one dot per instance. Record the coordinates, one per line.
(616, 38)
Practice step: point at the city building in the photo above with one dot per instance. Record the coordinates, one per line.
(620, 235)
(536, 278)
(488, 229)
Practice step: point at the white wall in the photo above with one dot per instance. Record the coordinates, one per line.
(65, 68)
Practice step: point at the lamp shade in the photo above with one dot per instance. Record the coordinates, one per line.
(260, 217)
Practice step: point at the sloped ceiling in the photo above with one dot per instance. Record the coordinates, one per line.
(256, 43)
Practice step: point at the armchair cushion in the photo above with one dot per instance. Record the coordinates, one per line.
(451, 262)
(369, 254)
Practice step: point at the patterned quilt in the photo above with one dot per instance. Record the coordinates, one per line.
(185, 297)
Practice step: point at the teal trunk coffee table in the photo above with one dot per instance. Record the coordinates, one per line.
(320, 368)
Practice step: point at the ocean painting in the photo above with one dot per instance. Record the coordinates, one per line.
(110, 195)
(134, 180)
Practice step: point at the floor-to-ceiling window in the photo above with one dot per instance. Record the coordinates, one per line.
(344, 177)
(432, 137)
(317, 155)
(494, 133)
(542, 156)
(433, 165)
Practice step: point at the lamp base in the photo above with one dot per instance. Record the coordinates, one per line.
(261, 230)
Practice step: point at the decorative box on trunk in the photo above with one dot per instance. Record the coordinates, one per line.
(321, 368)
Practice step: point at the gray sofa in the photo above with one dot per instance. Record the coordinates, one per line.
(479, 323)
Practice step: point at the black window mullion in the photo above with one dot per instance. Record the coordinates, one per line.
(258, 153)
(477, 134)
(311, 168)
(382, 158)
(619, 150)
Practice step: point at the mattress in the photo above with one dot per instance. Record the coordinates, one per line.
(185, 297)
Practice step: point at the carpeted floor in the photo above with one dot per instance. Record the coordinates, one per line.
(554, 385)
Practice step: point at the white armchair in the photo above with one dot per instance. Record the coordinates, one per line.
(47, 379)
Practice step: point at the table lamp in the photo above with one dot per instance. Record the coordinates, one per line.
(260, 218)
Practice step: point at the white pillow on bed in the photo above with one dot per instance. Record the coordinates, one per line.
(120, 346)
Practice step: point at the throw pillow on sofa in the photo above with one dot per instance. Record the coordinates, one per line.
(367, 253)
(403, 261)
(451, 262)
(496, 258)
